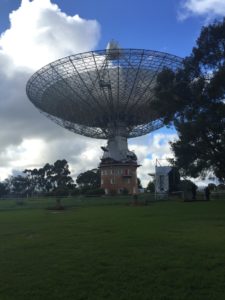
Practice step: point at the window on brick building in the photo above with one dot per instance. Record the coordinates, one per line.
(127, 172)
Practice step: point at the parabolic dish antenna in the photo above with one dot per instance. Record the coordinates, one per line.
(102, 93)
(105, 94)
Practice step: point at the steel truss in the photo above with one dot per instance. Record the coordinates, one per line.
(95, 93)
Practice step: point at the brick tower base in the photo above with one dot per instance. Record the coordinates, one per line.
(119, 178)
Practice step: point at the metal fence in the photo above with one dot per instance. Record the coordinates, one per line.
(68, 202)
(80, 200)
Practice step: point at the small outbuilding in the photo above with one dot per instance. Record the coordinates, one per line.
(167, 179)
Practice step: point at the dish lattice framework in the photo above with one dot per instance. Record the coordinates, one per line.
(99, 92)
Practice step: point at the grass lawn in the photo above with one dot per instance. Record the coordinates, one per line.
(166, 250)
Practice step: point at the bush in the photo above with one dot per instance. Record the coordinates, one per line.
(48, 194)
(186, 185)
(221, 187)
(95, 192)
(75, 192)
(57, 206)
(112, 192)
(61, 192)
(125, 191)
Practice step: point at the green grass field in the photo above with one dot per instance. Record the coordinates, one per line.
(166, 250)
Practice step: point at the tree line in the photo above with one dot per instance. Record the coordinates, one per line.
(53, 180)
(50, 180)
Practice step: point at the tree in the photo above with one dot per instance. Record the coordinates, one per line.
(90, 179)
(212, 186)
(151, 186)
(186, 185)
(3, 189)
(18, 185)
(50, 178)
(59, 175)
(192, 99)
(32, 180)
(45, 182)
(139, 183)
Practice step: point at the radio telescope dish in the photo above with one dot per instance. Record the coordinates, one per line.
(102, 93)
(105, 94)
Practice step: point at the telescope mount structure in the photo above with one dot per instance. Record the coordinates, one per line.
(104, 94)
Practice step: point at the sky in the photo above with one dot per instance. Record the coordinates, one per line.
(34, 33)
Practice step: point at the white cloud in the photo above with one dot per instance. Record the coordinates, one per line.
(39, 33)
(208, 8)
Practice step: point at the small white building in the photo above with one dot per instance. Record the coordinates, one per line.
(162, 179)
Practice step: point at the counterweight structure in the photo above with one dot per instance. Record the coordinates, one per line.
(104, 94)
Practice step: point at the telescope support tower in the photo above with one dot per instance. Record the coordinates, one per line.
(118, 167)
(119, 178)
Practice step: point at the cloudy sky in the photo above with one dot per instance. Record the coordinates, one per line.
(34, 33)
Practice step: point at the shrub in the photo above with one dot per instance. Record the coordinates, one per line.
(125, 191)
(112, 192)
(95, 192)
(75, 192)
